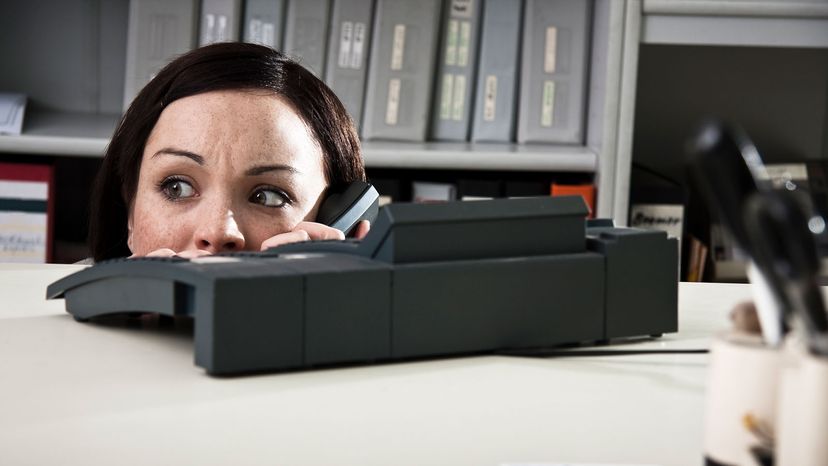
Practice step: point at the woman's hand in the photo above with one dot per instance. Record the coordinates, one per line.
(305, 231)
(309, 231)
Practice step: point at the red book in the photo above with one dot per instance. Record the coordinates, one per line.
(26, 212)
(586, 191)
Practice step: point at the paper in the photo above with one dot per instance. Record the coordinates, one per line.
(12, 107)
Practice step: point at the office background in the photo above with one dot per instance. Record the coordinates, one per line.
(653, 69)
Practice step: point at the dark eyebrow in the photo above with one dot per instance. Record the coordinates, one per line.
(260, 169)
(183, 153)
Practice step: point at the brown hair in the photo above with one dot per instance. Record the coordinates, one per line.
(222, 66)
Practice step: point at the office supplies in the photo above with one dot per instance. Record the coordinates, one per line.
(495, 102)
(429, 192)
(219, 21)
(157, 32)
(427, 280)
(26, 212)
(264, 22)
(347, 63)
(401, 70)
(12, 109)
(553, 76)
(457, 64)
(726, 166)
(306, 33)
(586, 191)
(784, 247)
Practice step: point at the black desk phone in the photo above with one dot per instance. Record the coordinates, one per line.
(343, 209)
(427, 280)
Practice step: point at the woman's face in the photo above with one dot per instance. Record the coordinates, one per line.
(224, 171)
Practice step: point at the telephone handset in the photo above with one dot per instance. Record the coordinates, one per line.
(343, 209)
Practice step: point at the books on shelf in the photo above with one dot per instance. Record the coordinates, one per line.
(12, 109)
(264, 22)
(347, 64)
(26, 212)
(219, 21)
(428, 192)
(401, 70)
(495, 103)
(457, 64)
(553, 80)
(306, 33)
(158, 30)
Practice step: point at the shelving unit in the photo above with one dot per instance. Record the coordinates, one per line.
(763, 64)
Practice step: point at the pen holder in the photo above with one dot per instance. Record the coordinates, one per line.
(741, 400)
(802, 425)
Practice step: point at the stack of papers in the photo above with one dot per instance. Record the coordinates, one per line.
(12, 107)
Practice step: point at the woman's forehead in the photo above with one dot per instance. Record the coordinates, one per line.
(257, 125)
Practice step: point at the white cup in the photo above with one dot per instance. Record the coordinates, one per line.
(741, 399)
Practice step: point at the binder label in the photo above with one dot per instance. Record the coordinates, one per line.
(445, 96)
(254, 31)
(463, 44)
(398, 47)
(489, 98)
(459, 97)
(208, 37)
(451, 42)
(550, 55)
(548, 104)
(346, 38)
(359, 46)
(268, 34)
(221, 30)
(392, 108)
(462, 8)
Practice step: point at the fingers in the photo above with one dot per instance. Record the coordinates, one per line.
(362, 229)
(166, 252)
(304, 231)
(295, 236)
(318, 231)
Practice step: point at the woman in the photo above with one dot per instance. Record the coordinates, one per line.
(230, 147)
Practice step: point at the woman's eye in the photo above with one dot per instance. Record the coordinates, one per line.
(269, 198)
(177, 189)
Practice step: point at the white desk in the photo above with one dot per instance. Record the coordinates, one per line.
(88, 394)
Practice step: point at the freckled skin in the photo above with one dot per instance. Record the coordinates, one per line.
(233, 131)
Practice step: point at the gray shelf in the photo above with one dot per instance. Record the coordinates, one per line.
(87, 135)
(740, 23)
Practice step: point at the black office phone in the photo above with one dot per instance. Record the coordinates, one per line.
(427, 280)
(344, 209)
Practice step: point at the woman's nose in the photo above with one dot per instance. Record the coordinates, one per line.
(220, 233)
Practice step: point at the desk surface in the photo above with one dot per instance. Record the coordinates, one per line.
(75, 393)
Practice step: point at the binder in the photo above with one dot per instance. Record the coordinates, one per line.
(495, 102)
(219, 21)
(553, 79)
(401, 70)
(348, 49)
(158, 30)
(306, 33)
(457, 65)
(264, 22)
(586, 191)
(478, 190)
(26, 212)
(425, 192)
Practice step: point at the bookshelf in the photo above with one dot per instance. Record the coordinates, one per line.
(763, 64)
(75, 89)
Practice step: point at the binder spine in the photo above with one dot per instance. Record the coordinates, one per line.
(495, 103)
(348, 52)
(554, 71)
(219, 21)
(401, 70)
(158, 30)
(264, 22)
(306, 33)
(457, 64)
